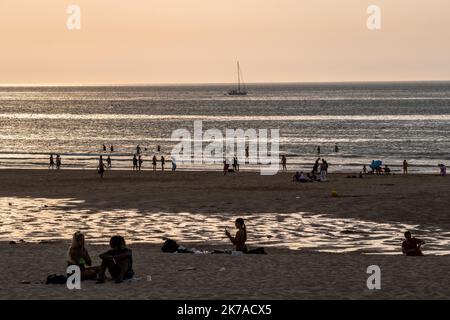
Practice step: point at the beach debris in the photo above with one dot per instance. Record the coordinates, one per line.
(334, 193)
(188, 269)
(222, 269)
(12, 242)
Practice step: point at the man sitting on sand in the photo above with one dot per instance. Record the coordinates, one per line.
(411, 246)
(118, 261)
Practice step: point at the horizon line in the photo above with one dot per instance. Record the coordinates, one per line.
(149, 84)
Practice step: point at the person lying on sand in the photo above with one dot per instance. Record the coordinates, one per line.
(79, 256)
(118, 261)
(411, 245)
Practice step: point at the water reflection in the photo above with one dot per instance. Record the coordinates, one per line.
(36, 219)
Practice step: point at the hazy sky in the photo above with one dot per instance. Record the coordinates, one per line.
(185, 41)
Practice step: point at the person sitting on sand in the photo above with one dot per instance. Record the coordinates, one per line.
(387, 170)
(296, 176)
(118, 261)
(411, 245)
(79, 256)
(241, 235)
(312, 177)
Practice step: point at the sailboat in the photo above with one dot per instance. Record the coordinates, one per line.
(240, 91)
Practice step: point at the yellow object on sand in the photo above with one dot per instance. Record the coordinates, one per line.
(334, 193)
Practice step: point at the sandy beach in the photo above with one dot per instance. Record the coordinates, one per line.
(307, 273)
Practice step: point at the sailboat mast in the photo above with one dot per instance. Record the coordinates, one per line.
(239, 77)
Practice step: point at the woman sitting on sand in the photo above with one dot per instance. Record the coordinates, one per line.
(79, 256)
(118, 261)
(241, 235)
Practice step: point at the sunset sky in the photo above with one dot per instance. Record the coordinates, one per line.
(199, 41)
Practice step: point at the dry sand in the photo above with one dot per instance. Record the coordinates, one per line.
(416, 199)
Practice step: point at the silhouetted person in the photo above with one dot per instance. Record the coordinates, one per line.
(405, 167)
(58, 162)
(108, 162)
(235, 164)
(118, 261)
(138, 149)
(163, 161)
(316, 166)
(111, 148)
(336, 148)
(101, 167)
(104, 147)
(283, 162)
(135, 162)
(154, 163)
(364, 169)
(318, 149)
(159, 148)
(51, 164)
(174, 164)
(411, 246)
(140, 161)
(246, 152)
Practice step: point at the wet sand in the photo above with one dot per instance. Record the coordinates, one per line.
(418, 200)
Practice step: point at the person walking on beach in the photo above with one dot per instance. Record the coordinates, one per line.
(316, 166)
(246, 152)
(138, 149)
(154, 163)
(104, 147)
(135, 162)
(443, 169)
(108, 162)
(111, 148)
(405, 167)
(411, 246)
(58, 162)
(159, 148)
(235, 163)
(318, 150)
(323, 171)
(51, 165)
(174, 164)
(140, 161)
(225, 166)
(101, 167)
(364, 169)
(336, 148)
(283, 162)
(163, 161)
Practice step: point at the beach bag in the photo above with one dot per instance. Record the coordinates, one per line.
(257, 251)
(170, 246)
(56, 279)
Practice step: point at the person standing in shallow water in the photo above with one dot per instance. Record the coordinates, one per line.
(101, 167)
(283, 162)
(52, 162)
(108, 162)
(135, 162)
(58, 162)
(318, 149)
(154, 163)
(336, 148)
(140, 161)
(111, 148)
(163, 161)
(405, 167)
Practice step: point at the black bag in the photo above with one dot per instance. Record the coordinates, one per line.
(170, 246)
(56, 279)
(257, 251)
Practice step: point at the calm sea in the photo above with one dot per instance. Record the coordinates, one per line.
(386, 121)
